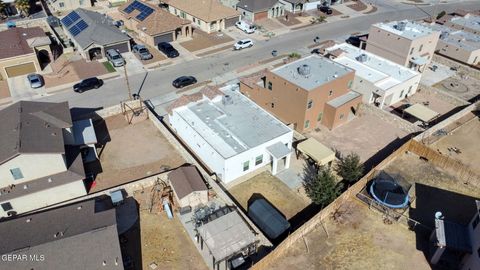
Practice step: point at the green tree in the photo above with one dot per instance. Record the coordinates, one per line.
(23, 6)
(349, 168)
(320, 185)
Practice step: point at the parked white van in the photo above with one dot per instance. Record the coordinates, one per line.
(245, 27)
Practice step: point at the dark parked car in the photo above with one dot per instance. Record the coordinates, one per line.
(355, 41)
(184, 81)
(87, 84)
(325, 9)
(168, 49)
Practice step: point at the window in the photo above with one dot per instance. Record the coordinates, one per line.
(307, 124)
(350, 83)
(273, 105)
(182, 14)
(258, 160)
(61, 4)
(341, 116)
(319, 117)
(269, 85)
(330, 93)
(6, 206)
(475, 222)
(194, 20)
(421, 47)
(175, 11)
(16, 173)
(309, 104)
(246, 165)
(411, 51)
(401, 94)
(478, 252)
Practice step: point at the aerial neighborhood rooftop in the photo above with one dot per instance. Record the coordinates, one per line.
(239, 134)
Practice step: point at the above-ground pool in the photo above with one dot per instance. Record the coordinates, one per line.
(389, 193)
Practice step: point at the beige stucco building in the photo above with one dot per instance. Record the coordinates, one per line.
(305, 93)
(458, 44)
(23, 51)
(407, 43)
(40, 159)
(469, 23)
(209, 15)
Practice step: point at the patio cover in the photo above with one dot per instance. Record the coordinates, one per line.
(226, 235)
(278, 150)
(317, 151)
(421, 112)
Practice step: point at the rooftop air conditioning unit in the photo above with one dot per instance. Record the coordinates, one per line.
(362, 58)
(401, 26)
(227, 100)
(304, 70)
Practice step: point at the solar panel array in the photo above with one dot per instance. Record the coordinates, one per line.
(78, 28)
(70, 18)
(144, 10)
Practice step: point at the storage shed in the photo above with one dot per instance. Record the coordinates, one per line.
(188, 186)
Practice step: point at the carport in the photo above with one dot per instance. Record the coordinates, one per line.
(422, 113)
(321, 154)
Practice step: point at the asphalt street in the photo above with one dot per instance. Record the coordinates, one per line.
(158, 82)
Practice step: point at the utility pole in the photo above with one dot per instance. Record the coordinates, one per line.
(126, 80)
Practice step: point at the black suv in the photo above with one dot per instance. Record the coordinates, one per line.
(183, 81)
(87, 84)
(168, 49)
(325, 9)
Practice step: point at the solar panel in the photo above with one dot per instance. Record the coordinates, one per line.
(82, 25)
(70, 18)
(74, 30)
(67, 21)
(129, 9)
(144, 10)
(74, 16)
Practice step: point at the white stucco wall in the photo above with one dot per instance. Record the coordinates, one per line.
(472, 261)
(32, 166)
(45, 198)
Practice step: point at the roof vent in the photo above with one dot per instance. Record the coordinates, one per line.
(335, 75)
(401, 26)
(227, 100)
(438, 215)
(144, 28)
(444, 35)
(304, 70)
(362, 58)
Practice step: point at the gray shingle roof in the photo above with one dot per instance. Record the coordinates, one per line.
(256, 5)
(33, 127)
(186, 180)
(77, 236)
(100, 30)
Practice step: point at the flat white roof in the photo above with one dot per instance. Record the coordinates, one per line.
(458, 38)
(320, 71)
(411, 30)
(375, 69)
(470, 21)
(232, 123)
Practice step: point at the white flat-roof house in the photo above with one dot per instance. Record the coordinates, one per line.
(230, 133)
(380, 81)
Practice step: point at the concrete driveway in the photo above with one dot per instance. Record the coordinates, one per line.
(20, 89)
(134, 65)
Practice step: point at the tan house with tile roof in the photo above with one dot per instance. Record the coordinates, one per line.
(207, 15)
(159, 26)
(22, 51)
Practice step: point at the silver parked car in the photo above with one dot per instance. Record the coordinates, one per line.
(35, 80)
(142, 52)
(115, 58)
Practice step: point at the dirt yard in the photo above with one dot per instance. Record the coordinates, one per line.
(359, 239)
(464, 138)
(202, 40)
(434, 101)
(364, 135)
(274, 190)
(132, 152)
(414, 170)
(166, 243)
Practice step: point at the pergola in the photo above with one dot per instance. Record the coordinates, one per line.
(312, 148)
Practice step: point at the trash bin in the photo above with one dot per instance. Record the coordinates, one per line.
(274, 53)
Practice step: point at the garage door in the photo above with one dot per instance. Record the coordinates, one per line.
(163, 38)
(261, 15)
(122, 47)
(20, 69)
(231, 22)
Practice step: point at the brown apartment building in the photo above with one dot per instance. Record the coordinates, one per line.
(407, 43)
(305, 93)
